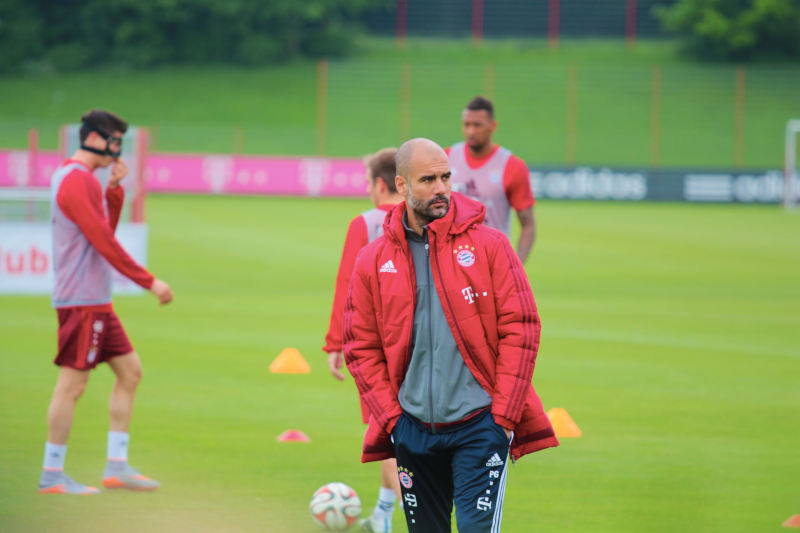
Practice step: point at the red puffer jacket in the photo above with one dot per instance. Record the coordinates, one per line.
(489, 306)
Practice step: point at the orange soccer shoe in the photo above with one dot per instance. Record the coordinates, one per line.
(60, 483)
(128, 478)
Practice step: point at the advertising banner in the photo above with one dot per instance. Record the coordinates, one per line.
(26, 257)
(224, 174)
(318, 176)
(668, 185)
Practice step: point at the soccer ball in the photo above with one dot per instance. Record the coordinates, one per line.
(335, 506)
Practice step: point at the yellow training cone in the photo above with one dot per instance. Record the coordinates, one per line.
(289, 361)
(563, 424)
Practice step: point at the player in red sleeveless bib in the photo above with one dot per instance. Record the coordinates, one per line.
(491, 174)
(364, 229)
(84, 219)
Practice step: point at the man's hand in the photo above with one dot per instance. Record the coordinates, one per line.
(162, 291)
(335, 362)
(118, 171)
(508, 433)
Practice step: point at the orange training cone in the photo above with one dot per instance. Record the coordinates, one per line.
(792, 521)
(289, 361)
(563, 424)
(293, 435)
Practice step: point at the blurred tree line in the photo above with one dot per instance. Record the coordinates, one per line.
(736, 29)
(74, 34)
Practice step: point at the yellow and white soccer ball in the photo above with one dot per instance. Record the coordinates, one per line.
(335, 506)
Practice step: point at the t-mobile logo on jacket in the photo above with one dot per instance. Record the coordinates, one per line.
(470, 295)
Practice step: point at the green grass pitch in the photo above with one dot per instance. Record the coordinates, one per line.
(670, 334)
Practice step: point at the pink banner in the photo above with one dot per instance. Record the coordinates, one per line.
(16, 165)
(214, 174)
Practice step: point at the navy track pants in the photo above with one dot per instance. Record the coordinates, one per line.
(464, 463)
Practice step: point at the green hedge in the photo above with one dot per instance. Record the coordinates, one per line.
(736, 29)
(72, 34)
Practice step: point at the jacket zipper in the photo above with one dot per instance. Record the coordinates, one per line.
(413, 283)
(430, 331)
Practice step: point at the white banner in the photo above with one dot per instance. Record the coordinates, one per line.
(26, 257)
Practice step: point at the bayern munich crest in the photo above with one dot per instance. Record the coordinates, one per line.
(405, 480)
(465, 256)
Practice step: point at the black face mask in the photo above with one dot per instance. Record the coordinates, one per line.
(109, 139)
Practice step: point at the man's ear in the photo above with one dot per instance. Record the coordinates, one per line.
(402, 185)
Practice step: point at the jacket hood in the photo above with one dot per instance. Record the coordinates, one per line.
(463, 213)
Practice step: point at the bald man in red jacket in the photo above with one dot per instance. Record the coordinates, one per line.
(441, 333)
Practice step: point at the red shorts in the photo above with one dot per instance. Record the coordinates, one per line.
(88, 336)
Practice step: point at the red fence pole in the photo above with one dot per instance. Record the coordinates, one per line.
(630, 22)
(553, 22)
(142, 148)
(33, 156)
(33, 149)
(402, 22)
(477, 21)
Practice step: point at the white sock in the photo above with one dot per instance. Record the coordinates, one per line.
(386, 498)
(54, 455)
(118, 446)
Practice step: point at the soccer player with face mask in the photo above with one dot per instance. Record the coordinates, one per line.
(84, 218)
